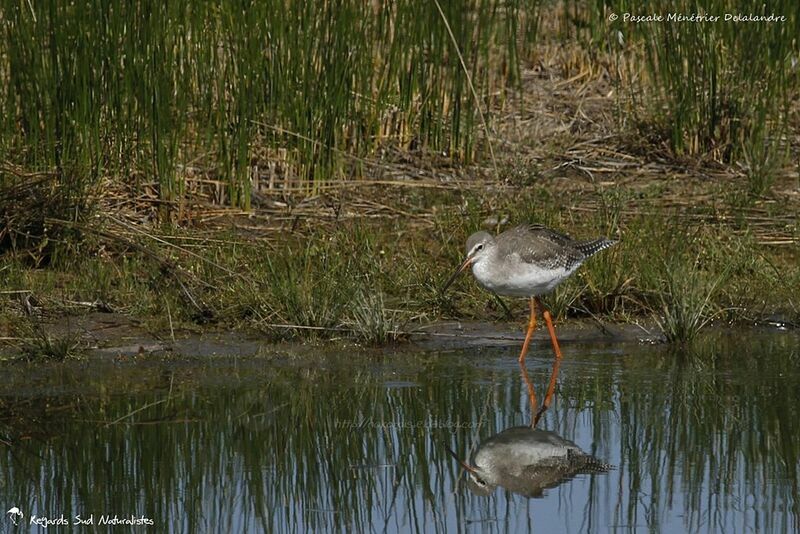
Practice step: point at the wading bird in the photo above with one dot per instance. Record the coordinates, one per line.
(527, 261)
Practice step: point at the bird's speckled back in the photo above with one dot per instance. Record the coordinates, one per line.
(542, 246)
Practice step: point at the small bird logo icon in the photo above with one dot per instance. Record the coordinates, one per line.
(15, 514)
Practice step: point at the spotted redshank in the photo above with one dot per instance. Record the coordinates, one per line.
(527, 261)
(527, 461)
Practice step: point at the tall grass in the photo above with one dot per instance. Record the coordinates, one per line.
(720, 89)
(271, 91)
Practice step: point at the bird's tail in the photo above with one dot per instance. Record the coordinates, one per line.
(595, 465)
(593, 246)
(588, 464)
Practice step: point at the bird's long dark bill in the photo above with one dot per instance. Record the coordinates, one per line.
(461, 462)
(461, 267)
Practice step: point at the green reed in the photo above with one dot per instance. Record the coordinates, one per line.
(149, 93)
(720, 89)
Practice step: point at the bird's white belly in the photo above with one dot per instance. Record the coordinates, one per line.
(523, 280)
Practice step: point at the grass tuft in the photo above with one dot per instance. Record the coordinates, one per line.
(687, 299)
(37, 344)
(370, 320)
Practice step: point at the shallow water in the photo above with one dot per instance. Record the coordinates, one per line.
(701, 440)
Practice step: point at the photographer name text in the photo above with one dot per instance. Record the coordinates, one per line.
(696, 17)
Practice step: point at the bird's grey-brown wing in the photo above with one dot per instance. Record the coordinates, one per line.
(533, 480)
(541, 246)
(557, 470)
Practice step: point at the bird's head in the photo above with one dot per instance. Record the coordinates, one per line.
(478, 482)
(478, 245)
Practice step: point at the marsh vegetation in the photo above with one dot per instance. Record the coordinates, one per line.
(312, 169)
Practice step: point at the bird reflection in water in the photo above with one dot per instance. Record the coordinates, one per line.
(527, 460)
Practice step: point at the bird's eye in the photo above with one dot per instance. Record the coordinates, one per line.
(479, 247)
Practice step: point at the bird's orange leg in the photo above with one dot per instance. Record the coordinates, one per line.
(531, 394)
(531, 326)
(549, 395)
(522, 369)
(549, 320)
(554, 376)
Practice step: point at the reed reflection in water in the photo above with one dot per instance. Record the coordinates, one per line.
(701, 441)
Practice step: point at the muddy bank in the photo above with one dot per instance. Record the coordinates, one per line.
(116, 336)
(119, 337)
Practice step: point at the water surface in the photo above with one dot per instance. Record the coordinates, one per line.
(702, 440)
